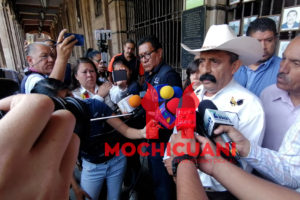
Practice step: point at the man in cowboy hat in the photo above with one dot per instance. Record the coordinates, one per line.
(221, 55)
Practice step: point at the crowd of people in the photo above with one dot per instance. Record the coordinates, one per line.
(258, 91)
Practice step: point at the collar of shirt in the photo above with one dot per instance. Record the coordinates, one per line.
(264, 66)
(201, 91)
(155, 69)
(150, 75)
(82, 90)
(281, 95)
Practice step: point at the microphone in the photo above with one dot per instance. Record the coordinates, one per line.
(166, 92)
(211, 117)
(165, 115)
(129, 103)
(172, 105)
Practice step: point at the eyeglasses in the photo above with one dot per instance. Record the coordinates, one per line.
(46, 56)
(146, 55)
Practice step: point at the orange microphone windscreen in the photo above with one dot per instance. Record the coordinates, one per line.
(134, 101)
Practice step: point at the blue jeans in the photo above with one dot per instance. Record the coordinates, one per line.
(93, 176)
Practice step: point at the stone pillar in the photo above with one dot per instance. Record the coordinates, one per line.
(21, 38)
(117, 19)
(17, 47)
(6, 37)
(216, 12)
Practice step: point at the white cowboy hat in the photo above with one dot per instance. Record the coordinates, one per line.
(222, 37)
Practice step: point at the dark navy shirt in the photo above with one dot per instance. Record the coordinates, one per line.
(163, 74)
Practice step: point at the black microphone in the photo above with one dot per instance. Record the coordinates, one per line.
(210, 118)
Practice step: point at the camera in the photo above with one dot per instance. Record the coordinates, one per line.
(80, 111)
(78, 108)
(51, 87)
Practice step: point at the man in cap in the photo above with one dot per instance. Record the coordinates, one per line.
(263, 72)
(221, 55)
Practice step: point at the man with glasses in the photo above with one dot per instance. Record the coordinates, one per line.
(157, 72)
(263, 73)
(45, 62)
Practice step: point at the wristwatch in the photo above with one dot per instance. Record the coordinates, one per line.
(178, 159)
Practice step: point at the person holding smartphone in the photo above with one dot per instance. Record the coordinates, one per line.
(124, 84)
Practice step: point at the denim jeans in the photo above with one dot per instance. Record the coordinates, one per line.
(93, 176)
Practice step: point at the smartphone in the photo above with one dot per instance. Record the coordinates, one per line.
(119, 75)
(78, 37)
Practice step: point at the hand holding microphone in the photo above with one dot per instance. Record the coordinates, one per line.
(242, 143)
(210, 118)
(129, 103)
(128, 106)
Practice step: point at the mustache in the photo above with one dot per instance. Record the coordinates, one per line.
(208, 77)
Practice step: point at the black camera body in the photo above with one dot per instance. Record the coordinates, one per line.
(79, 109)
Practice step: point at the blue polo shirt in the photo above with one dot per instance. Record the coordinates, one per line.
(256, 81)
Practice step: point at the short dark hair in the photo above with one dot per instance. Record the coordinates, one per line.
(130, 41)
(262, 24)
(119, 60)
(75, 83)
(90, 53)
(151, 39)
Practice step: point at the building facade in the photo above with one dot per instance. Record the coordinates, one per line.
(125, 19)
